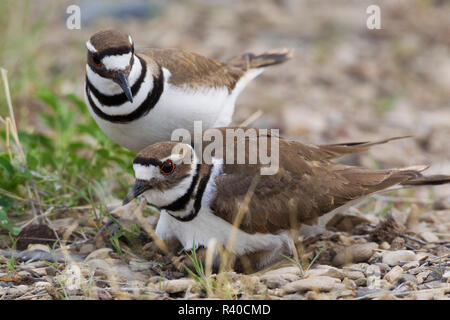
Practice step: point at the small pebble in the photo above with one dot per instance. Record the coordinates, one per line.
(361, 282)
(353, 275)
(417, 270)
(400, 217)
(424, 295)
(429, 236)
(410, 265)
(385, 246)
(355, 253)
(446, 275)
(422, 256)
(373, 270)
(408, 278)
(384, 268)
(177, 285)
(42, 285)
(275, 292)
(103, 294)
(346, 241)
(155, 279)
(317, 283)
(366, 291)
(13, 292)
(362, 266)
(347, 293)
(23, 273)
(349, 284)
(284, 270)
(312, 295)
(6, 284)
(22, 288)
(40, 271)
(393, 258)
(432, 285)
(324, 270)
(38, 246)
(51, 271)
(397, 244)
(278, 280)
(422, 276)
(385, 284)
(87, 248)
(419, 279)
(393, 275)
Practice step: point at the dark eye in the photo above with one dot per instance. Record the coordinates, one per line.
(167, 167)
(96, 61)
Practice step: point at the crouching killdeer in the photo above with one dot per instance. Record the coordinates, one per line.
(139, 97)
(201, 201)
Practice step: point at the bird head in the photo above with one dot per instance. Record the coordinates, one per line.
(110, 54)
(164, 172)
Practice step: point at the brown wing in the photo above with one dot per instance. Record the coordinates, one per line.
(250, 60)
(304, 188)
(331, 151)
(192, 70)
(321, 152)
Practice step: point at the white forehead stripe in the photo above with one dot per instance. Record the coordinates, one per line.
(90, 47)
(129, 39)
(145, 172)
(117, 62)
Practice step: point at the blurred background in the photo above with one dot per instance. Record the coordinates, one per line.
(345, 82)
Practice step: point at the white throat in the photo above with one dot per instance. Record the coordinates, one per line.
(117, 62)
(109, 87)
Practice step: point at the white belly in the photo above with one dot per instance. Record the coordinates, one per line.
(175, 109)
(206, 226)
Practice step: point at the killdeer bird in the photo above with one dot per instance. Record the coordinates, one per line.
(200, 201)
(139, 97)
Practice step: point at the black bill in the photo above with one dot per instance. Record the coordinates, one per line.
(122, 80)
(138, 189)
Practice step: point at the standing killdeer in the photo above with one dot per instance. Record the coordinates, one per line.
(200, 201)
(139, 97)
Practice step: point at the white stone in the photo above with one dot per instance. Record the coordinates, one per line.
(429, 236)
(177, 285)
(324, 270)
(42, 285)
(393, 258)
(278, 280)
(322, 283)
(446, 275)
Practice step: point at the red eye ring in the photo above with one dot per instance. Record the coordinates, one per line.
(167, 167)
(96, 61)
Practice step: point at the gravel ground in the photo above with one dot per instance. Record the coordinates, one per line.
(400, 256)
(344, 83)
